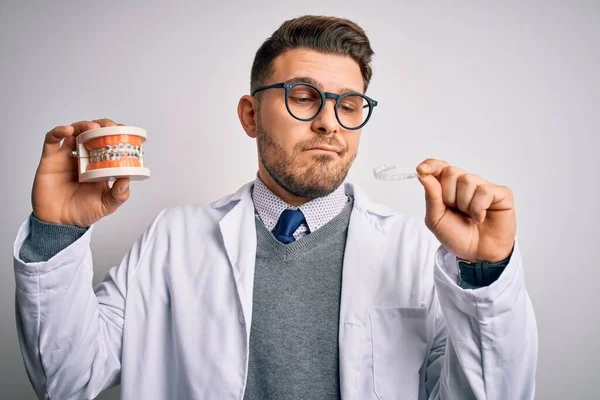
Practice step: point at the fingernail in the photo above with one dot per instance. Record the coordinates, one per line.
(425, 167)
(124, 187)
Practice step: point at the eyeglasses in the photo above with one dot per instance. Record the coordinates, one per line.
(304, 101)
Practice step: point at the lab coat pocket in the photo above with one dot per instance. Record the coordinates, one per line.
(399, 339)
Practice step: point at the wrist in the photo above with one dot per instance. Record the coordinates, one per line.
(497, 258)
(53, 222)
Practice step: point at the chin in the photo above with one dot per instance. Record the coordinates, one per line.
(315, 180)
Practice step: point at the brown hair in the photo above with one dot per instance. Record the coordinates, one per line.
(329, 35)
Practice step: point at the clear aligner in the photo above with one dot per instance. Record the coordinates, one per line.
(384, 172)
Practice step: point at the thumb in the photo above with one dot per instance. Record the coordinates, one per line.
(434, 203)
(117, 195)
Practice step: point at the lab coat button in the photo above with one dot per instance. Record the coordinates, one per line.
(241, 318)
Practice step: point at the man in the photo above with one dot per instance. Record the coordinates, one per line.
(295, 287)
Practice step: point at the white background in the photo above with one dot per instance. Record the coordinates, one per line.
(509, 91)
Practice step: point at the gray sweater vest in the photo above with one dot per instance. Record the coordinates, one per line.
(295, 314)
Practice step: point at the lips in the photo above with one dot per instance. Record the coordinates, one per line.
(325, 148)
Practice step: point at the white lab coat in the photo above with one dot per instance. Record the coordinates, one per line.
(172, 321)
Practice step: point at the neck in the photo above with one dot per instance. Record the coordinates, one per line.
(280, 192)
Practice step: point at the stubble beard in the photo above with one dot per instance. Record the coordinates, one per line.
(316, 179)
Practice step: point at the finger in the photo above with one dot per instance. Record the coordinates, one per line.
(449, 179)
(105, 122)
(53, 139)
(466, 185)
(432, 166)
(70, 142)
(83, 126)
(490, 197)
(117, 195)
(434, 204)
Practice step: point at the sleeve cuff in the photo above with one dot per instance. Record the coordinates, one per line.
(446, 277)
(45, 240)
(480, 274)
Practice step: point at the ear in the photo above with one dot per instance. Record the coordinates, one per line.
(248, 114)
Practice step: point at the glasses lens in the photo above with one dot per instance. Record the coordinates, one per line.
(304, 101)
(353, 110)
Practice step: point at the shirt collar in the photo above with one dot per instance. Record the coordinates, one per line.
(317, 212)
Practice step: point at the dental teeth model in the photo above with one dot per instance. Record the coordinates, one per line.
(111, 152)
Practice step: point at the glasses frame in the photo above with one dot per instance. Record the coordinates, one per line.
(324, 96)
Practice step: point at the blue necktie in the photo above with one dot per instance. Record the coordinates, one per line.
(289, 221)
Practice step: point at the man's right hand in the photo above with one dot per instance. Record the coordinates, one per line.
(58, 196)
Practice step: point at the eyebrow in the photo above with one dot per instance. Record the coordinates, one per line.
(318, 84)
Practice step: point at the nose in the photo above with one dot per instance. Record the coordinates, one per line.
(326, 123)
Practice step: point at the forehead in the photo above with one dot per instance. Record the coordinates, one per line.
(333, 72)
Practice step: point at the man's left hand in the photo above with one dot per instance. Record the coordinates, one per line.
(473, 218)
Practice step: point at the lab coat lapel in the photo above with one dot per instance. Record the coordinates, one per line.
(239, 238)
(365, 244)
